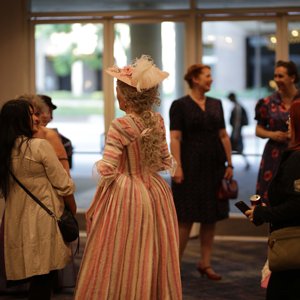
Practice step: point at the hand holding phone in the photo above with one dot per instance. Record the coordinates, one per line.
(242, 206)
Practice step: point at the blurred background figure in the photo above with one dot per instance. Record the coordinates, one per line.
(238, 119)
(47, 117)
(272, 115)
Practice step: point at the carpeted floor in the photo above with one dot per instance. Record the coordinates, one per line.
(238, 260)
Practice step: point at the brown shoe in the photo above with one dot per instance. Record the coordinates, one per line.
(209, 272)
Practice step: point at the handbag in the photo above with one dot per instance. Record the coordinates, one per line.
(228, 189)
(67, 223)
(284, 249)
(68, 226)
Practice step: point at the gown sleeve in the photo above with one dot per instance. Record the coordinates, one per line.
(168, 161)
(119, 135)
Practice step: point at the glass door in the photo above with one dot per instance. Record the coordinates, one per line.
(164, 42)
(294, 42)
(68, 68)
(242, 57)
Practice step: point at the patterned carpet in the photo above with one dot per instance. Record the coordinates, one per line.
(239, 261)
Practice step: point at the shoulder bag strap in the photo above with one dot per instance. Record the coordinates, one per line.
(51, 213)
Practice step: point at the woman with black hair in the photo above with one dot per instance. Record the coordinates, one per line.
(31, 240)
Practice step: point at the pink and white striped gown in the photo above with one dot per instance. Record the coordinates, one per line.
(132, 245)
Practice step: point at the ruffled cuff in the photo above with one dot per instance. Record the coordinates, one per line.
(104, 172)
(174, 166)
(170, 165)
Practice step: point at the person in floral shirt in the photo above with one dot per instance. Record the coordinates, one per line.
(272, 114)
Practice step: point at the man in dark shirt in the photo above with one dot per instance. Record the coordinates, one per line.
(238, 119)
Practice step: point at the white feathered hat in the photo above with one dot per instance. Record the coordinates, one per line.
(142, 74)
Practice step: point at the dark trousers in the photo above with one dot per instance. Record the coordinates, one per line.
(284, 285)
(40, 287)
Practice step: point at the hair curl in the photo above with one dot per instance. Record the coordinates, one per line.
(141, 103)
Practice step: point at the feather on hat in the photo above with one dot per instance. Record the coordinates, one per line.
(142, 74)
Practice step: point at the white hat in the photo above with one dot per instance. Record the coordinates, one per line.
(142, 74)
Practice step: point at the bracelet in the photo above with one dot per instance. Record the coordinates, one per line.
(230, 166)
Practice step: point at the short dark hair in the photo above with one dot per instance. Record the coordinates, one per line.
(291, 68)
(232, 96)
(48, 101)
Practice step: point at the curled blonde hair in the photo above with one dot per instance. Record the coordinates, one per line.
(141, 103)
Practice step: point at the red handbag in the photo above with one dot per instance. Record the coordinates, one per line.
(228, 189)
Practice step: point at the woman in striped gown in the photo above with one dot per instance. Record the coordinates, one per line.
(132, 244)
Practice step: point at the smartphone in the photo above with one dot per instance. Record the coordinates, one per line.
(242, 206)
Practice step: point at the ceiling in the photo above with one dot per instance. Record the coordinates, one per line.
(39, 6)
